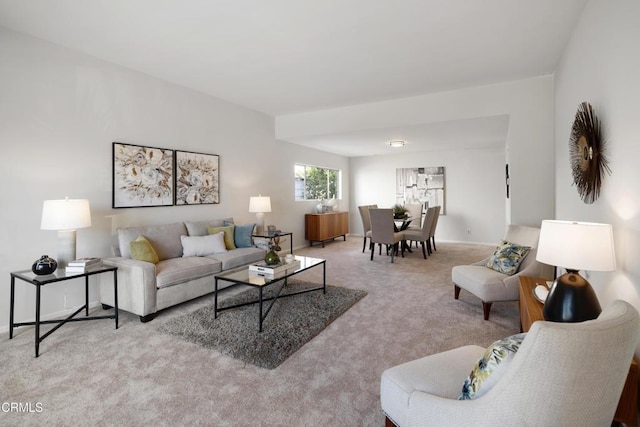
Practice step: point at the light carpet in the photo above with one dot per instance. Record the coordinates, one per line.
(137, 375)
(291, 322)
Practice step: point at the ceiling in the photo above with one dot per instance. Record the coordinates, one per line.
(287, 56)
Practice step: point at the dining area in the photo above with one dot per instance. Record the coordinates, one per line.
(397, 228)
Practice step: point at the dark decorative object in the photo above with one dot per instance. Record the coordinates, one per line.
(586, 149)
(272, 257)
(45, 265)
(571, 299)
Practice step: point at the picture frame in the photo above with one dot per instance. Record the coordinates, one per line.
(197, 178)
(424, 185)
(142, 176)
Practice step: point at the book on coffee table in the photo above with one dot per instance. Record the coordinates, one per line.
(262, 267)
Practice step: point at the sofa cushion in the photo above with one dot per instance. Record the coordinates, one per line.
(228, 235)
(242, 235)
(491, 366)
(203, 245)
(199, 228)
(142, 250)
(179, 270)
(507, 257)
(239, 256)
(165, 239)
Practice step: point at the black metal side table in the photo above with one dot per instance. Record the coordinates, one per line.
(59, 276)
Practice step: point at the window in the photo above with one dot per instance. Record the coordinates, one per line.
(314, 183)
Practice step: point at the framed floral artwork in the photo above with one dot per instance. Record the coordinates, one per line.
(142, 176)
(197, 178)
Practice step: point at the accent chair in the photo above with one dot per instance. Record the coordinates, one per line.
(492, 286)
(563, 374)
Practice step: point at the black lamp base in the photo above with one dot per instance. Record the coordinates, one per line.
(571, 299)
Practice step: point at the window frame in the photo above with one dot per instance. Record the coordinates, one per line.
(304, 198)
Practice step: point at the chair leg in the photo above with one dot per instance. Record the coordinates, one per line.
(429, 246)
(434, 243)
(424, 252)
(393, 252)
(388, 422)
(456, 291)
(373, 249)
(364, 243)
(486, 308)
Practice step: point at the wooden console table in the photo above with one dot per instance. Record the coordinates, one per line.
(326, 226)
(531, 310)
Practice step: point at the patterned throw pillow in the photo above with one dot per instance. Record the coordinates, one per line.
(493, 364)
(507, 257)
(142, 250)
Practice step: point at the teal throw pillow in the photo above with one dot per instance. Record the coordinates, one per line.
(242, 236)
(490, 368)
(507, 257)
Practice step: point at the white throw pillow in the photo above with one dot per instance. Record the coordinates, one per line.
(203, 245)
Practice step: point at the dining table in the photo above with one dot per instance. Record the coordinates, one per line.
(401, 224)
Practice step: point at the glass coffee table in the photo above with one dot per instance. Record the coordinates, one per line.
(245, 276)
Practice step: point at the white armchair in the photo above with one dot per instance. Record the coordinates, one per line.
(564, 374)
(492, 286)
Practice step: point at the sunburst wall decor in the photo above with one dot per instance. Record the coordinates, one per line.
(586, 149)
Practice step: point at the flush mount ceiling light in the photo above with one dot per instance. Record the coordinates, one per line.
(397, 143)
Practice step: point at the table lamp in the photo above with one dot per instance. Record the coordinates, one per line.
(574, 246)
(259, 205)
(66, 216)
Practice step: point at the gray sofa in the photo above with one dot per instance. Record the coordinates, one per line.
(144, 288)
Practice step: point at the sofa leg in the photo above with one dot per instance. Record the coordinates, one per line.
(486, 308)
(106, 307)
(147, 318)
(456, 291)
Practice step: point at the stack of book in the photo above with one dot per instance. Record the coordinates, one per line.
(80, 265)
(270, 270)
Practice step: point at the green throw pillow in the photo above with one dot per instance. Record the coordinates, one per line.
(142, 250)
(493, 364)
(507, 258)
(228, 235)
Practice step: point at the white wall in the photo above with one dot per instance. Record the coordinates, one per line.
(61, 110)
(601, 65)
(474, 190)
(528, 103)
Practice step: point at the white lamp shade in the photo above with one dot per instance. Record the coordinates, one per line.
(259, 204)
(67, 214)
(577, 245)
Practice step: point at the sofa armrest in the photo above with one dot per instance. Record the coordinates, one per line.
(137, 289)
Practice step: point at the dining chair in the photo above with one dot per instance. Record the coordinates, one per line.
(382, 231)
(422, 234)
(415, 211)
(366, 224)
(432, 232)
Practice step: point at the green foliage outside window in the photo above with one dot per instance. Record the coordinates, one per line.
(314, 183)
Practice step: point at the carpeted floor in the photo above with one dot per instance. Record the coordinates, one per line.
(290, 323)
(89, 372)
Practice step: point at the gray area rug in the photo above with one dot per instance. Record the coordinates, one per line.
(291, 323)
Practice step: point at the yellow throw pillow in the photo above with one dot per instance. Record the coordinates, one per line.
(142, 250)
(228, 235)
